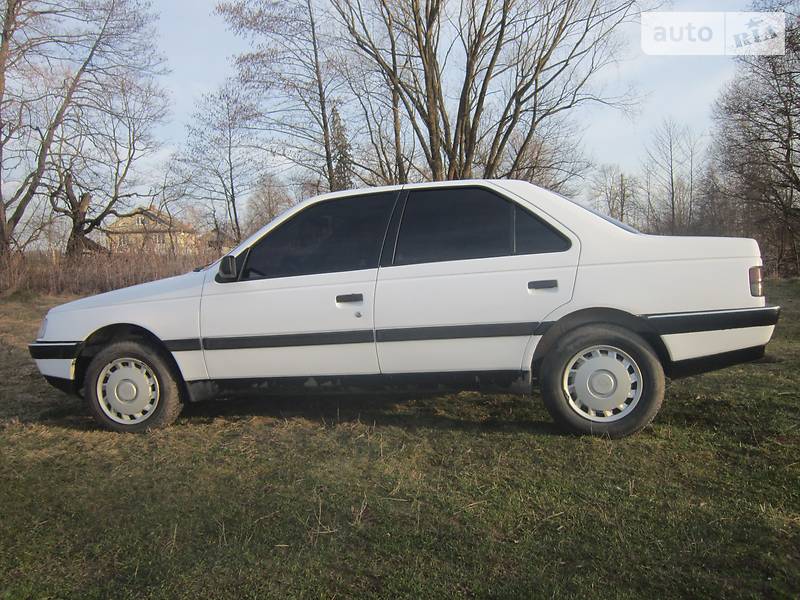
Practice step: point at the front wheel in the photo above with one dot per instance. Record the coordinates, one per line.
(131, 387)
(602, 380)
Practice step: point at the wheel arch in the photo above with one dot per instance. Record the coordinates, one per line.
(593, 316)
(115, 332)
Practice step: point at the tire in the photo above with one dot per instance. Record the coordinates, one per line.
(147, 391)
(602, 380)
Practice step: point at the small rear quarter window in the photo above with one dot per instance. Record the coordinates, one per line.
(534, 236)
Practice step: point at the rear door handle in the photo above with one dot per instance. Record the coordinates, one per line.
(543, 284)
(349, 298)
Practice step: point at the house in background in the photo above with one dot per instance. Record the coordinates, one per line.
(154, 231)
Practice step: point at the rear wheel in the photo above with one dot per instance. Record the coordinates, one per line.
(130, 386)
(602, 380)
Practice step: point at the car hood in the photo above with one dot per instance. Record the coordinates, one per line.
(172, 288)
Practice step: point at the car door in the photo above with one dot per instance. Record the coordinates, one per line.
(303, 301)
(471, 276)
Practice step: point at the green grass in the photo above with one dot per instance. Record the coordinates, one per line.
(463, 495)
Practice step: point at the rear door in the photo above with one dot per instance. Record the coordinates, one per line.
(470, 276)
(303, 303)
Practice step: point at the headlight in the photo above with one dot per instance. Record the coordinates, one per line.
(42, 329)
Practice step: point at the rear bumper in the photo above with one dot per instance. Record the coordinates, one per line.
(714, 320)
(698, 342)
(704, 364)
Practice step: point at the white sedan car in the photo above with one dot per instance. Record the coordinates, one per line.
(468, 283)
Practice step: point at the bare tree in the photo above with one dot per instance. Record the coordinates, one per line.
(615, 193)
(757, 145)
(476, 81)
(387, 146)
(383, 151)
(224, 158)
(270, 198)
(51, 53)
(673, 160)
(169, 194)
(294, 70)
(92, 172)
(553, 158)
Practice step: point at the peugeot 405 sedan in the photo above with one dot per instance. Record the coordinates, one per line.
(462, 284)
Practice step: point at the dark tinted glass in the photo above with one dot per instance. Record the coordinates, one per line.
(533, 236)
(454, 224)
(338, 235)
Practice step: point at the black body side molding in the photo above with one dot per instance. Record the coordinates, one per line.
(184, 345)
(358, 336)
(451, 332)
(48, 350)
(665, 324)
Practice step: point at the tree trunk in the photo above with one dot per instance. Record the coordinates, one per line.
(5, 239)
(9, 25)
(323, 101)
(79, 242)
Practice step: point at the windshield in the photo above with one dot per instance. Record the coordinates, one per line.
(611, 220)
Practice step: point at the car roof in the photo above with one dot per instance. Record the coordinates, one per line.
(394, 188)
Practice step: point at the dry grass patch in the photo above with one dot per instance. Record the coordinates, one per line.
(465, 495)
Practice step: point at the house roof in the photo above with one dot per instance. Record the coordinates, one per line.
(159, 221)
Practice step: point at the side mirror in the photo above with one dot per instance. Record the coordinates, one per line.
(227, 269)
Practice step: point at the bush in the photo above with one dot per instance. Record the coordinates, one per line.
(47, 273)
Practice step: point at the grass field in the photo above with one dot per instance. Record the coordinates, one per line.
(462, 495)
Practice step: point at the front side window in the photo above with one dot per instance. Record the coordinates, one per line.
(328, 237)
(469, 223)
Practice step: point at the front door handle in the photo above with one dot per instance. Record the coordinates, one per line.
(543, 284)
(349, 298)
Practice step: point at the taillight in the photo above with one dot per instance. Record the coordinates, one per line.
(756, 281)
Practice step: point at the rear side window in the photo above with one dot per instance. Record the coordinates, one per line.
(453, 224)
(332, 236)
(469, 223)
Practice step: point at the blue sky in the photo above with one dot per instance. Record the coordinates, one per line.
(199, 48)
(681, 87)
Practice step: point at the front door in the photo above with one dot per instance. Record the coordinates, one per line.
(303, 303)
(471, 276)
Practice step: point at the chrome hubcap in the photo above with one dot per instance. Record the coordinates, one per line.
(127, 390)
(602, 383)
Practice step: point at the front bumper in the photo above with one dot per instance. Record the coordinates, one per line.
(41, 350)
(65, 385)
(56, 361)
